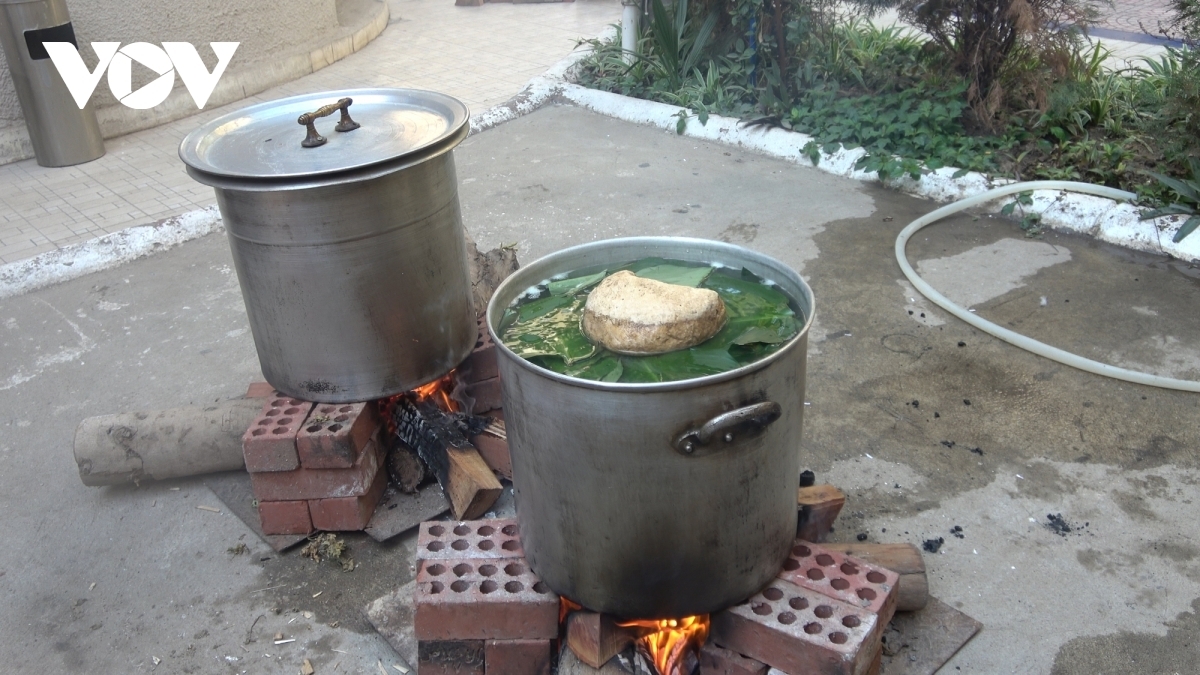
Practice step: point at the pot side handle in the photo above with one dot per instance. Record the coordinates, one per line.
(721, 431)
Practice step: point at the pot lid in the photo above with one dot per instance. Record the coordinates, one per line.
(266, 141)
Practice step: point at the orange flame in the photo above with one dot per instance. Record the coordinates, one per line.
(439, 392)
(670, 640)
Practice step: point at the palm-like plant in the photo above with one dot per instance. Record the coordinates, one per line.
(1188, 191)
(675, 53)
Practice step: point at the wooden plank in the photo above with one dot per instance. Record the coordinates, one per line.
(819, 506)
(912, 590)
(595, 638)
(472, 487)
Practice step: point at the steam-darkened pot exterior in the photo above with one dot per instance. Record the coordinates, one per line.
(614, 513)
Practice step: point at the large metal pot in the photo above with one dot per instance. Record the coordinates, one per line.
(656, 500)
(349, 248)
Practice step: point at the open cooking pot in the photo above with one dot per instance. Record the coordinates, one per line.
(349, 245)
(656, 500)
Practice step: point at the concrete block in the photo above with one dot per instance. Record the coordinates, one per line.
(319, 483)
(517, 657)
(800, 631)
(333, 434)
(270, 442)
(471, 539)
(482, 599)
(290, 517)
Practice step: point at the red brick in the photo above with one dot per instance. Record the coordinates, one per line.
(482, 599)
(837, 575)
(800, 631)
(494, 451)
(346, 514)
(260, 390)
(445, 657)
(270, 442)
(487, 395)
(481, 364)
(319, 483)
(285, 517)
(517, 657)
(333, 434)
(471, 539)
(716, 660)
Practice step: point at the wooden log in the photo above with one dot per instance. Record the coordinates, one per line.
(595, 638)
(819, 506)
(465, 478)
(404, 467)
(904, 559)
(172, 443)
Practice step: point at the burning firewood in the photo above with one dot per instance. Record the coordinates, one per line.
(439, 439)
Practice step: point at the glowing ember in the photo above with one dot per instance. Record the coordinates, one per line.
(671, 641)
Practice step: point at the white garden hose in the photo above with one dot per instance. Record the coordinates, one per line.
(1026, 343)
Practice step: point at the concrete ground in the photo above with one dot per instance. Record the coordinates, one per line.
(924, 422)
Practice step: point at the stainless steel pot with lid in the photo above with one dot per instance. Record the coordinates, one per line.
(343, 219)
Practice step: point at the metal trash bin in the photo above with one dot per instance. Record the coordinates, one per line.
(61, 132)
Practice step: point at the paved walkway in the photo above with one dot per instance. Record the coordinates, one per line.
(482, 55)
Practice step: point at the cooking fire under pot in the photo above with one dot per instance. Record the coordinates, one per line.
(343, 219)
(656, 500)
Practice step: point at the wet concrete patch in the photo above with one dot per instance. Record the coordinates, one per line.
(1130, 653)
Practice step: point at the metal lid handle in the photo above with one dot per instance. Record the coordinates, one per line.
(313, 139)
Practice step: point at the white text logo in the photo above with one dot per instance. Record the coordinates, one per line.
(172, 57)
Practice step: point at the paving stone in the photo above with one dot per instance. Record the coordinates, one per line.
(483, 599)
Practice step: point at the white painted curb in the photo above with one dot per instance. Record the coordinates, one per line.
(110, 250)
(1104, 219)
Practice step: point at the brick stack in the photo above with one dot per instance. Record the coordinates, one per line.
(314, 466)
(481, 375)
(479, 609)
(825, 613)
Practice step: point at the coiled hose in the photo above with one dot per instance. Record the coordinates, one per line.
(1011, 337)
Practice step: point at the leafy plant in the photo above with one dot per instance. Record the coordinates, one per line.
(675, 51)
(1031, 222)
(1188, 192)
